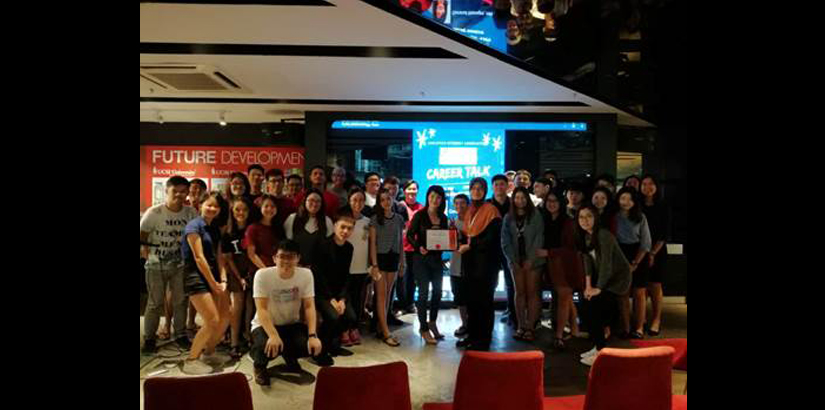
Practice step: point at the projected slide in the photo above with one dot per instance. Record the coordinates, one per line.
(452, 157)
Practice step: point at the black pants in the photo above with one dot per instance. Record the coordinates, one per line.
(428, 270)
(333, 325)
(601, 311)
(355, 294)
(481, 287)
(294, 337)
(405, 287)
(511, 287)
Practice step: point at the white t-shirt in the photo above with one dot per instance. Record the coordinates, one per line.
(360, 240)
(370, 202)
(285, 295)
(311, 226)
(165, 228)
(536, 200)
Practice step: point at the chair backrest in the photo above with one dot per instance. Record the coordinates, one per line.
(500, 381)
(630, 379)
(679, 345)
(385, 387)
(219, 391)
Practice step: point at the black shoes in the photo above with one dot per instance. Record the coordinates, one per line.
(341, 352)
(149, 347)
(261, 377)
(324, 360)
(462, 343)
(183, 342)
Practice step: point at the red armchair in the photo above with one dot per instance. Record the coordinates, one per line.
(679, 346)
(220, 391)
(497, 381)
(626, 379)
(385, 387)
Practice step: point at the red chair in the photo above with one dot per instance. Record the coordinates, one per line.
(678, 345)
(220, 391)
(385, 387)
(626, 379)
(497, 381)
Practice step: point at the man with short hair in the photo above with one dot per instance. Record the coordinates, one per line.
(275, 182)
(330, 269)
(511, 182)
(281, 293)
(372, 183)
(502, 202)
(255, 172)
(339, 177)
(541, 188)
(318, 180)
(161, 228)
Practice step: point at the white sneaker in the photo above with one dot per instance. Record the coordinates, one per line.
(215, 359)
(590, 352)
(588, 360)
(196, 367)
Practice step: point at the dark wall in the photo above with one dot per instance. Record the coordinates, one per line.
(266, 134)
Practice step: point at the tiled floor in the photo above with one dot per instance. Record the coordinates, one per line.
(432, 368)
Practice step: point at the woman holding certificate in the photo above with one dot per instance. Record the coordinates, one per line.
(426, 235)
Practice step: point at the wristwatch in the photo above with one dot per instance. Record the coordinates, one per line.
(313, 335)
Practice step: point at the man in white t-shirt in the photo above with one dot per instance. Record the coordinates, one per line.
(161, 229)
(280, 293)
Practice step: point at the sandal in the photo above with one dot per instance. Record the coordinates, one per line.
(529, 336)
(390, 341)
(519, 334)
(558, 343)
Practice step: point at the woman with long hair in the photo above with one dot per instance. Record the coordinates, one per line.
(205, 283)
(309, 225)
(427, 264)
(237, 262)
(634, 238)
(522, 236)
(656, 212)
(261, 240)
(359, 268)
(386, 228)
(607, 276)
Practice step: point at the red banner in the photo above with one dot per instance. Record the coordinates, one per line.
(211, 164)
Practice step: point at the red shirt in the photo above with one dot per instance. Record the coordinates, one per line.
(263, 239)
(411, 211)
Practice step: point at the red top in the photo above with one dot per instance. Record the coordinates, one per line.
(264, 240)
(411, 211)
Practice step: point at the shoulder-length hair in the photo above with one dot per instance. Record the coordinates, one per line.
(438, 189)
(379, 210)
(228, 189)
(529, 207)
(658, 195)
(232, 224)
(223, 215)
(635, 213)
(581, 234)
(302, 216)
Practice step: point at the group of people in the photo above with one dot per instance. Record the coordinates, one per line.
(293, 270)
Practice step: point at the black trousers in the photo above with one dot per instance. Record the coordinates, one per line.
(332, 324)
(510, 286)
(294, 336)
(601, 311)
(481, 288)
(428, 270)
(405, 287)
(355, 294)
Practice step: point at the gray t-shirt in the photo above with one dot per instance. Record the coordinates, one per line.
(285, 295)
(632, 232)
(388, 235)
(165, 228)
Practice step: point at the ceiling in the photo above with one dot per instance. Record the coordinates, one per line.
(344, 56)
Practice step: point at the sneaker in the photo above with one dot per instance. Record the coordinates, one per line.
(355, 337)
(588, 361)
(324, 360)
(590, 352)
(342, 352)
(183, 342)
(215, 359)
(261, 377)
(461, 332)
(196, 367)
(235, 352)
(462, 343)
(345, 339)
(149, 347)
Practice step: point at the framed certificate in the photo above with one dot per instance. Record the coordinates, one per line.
(442, 239)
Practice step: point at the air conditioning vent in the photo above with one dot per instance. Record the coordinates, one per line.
(191, 78)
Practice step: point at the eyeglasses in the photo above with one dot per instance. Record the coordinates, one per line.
(286, 257)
